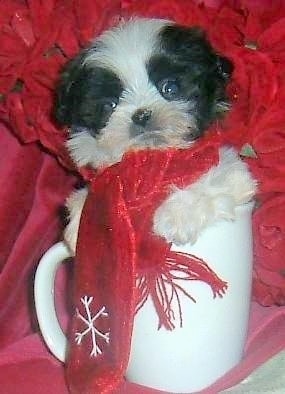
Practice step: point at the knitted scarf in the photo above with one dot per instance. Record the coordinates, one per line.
(120, 262)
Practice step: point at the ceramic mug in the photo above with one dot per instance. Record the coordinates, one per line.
(212, 338)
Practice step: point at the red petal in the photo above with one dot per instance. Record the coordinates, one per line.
(21, 23)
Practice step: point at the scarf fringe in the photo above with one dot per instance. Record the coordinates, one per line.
(161, 285)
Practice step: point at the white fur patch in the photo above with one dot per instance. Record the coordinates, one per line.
(185, 213)
(126, 48)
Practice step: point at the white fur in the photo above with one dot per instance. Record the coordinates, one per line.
(109, 147)
(126, 48)
(186, 212)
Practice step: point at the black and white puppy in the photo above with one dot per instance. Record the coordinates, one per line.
(149, 83)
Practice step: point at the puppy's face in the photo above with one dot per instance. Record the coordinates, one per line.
(146, 83)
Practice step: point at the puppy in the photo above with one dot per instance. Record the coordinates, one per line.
(149, 83)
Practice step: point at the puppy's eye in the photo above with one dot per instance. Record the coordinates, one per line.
(109, 104)
(169, 89)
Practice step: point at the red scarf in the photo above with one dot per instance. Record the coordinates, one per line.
(120, 262)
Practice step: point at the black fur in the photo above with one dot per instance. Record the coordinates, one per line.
(185, 56)
(85, 95)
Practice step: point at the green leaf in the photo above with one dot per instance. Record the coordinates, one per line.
(248, 151)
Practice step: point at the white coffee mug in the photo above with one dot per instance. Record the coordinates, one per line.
(212, 338)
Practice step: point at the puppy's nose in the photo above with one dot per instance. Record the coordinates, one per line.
(141, 116)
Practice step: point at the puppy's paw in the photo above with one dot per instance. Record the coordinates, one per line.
(182, 217)
(185, 213)
(232, 176)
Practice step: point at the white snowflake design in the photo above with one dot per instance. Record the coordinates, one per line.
(89, 321)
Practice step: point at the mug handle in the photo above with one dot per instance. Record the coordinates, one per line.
(44, 299)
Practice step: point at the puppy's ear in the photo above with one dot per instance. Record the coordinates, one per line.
(64, 93)
(66, 89)
(185, 43)
(190, 45)
(225, 67)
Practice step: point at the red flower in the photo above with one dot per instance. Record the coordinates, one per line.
(94, 16)
(181, 11)
(269, 222)
(36, 40)
(269, 251)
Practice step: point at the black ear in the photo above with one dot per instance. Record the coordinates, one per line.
(67, 88)
(225, 67)
(190, 45)
(186, 43)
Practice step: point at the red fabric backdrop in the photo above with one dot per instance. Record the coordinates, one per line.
(36, 176)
